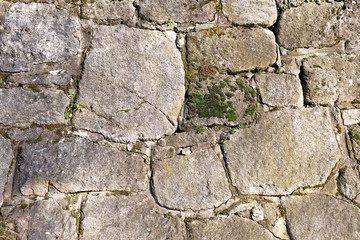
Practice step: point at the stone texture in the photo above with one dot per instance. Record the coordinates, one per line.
(80, 165)
(133, 82)
(25, 107)
(280, 90)
(109, 10)
(271, 157)
(24, 135)
(232, 49)
(350, 28)
(355, 140)
(24, 43)
(229, 228)
(349, 182)
(248, 12)
(331, 79)
(50, 78)
(321, 217)
(6, 156)
(351, 116)
(179, 11)
(127, 217)
(309, 25)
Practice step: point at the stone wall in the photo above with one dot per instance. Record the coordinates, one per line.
(162, 119)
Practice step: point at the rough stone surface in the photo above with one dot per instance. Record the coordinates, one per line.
(351, 116)
(350, 28)
(271, 157)
(109, 10)
(229, 228)
(136, 217)
(80, 165)
(53, 77)
(355, 140)
(309, 25)
(25, 107)
(24, 43)
(6, 156)
(330, 79)
(148, 94)
(321, 217)
(349, 182)
(223, 48)
(24, 135)
(280, 90)
(247, 12)
(179, 11)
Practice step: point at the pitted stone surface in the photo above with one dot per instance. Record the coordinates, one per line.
(6, 156)
(80, 165)
(24, 43)
(350, 28)
(309, 25)
(109, 10)
(351, 116)
(134, 216)
(182, 11)
(271, 157)
(133, 82)
(230, 228)
(349, 182)
(50, 78)
(248, 12)
(355, 140)
(321, 217)
(20, 106)
(280, 90)
(232, 49)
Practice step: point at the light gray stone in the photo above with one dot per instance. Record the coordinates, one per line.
(349, 182)
(248, 12)
(25, 107)
(109, 10)
(80, 165)
(127, 217)
(230, 228)
(179, 11)
(49, 78)
(272, 158)
(355, 140)
(321, 217)
(351, 116)
(133, 83)
(6, 156)
(280, 90)
(24, 43)
(232, 49)
(24, 135)
(309, 25)
(349, 28)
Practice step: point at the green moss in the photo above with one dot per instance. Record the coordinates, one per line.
(339, 129)
(282, 210)
(250, 110)
(119, 193)
(34, 88)
(316, 66)
(199, 129)
(23, 205)
(231, 115)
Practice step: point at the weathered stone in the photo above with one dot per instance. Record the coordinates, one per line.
(309, 25)
(49, 78)
(127, 217)
(133, 82)
(232, 49)
(351, 116)
(24, 135)
(280, 90)
(349, 182)
(179, 11)
(321, 217)
(109, 10)
(6, 156)
(25, 107)
(271, 157)
(80, 165)
(330, 79)
(349, 28)
(230, 228)
(355, 140)
(248, 12)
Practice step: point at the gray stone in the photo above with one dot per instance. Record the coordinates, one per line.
(24, 135)
(24, 43)
(6, 156)
(127, 217)
(355, 140)
(133, 83)
(53, 77)
(351, 116)
(280, 90)
(230, 228)
(349, 182)
(109, 10)
(349, 28)
(271, 157)
(309, 25)
(331, 79)
(25, 107)
(232, 49)
(248, 12)
(80, 165)
(179, 11)
(321, 217)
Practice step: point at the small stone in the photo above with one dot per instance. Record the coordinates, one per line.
(49, 78)
(6, 157)
(351, 116)
(349, 182)
(257, 214)
(109, 10)
(355, 140)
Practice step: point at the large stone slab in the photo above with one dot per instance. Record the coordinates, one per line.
(133, 82)
(108, 10)
(248, 12)
(6, 156)
(321, 217)
(80, 165)
(179, 11)
(230, 228)
(309, 25)
(20, 106)
(285, 150)
(127, 217)
(232, 49)
(24, 43)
